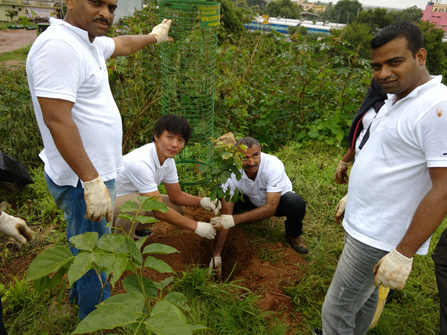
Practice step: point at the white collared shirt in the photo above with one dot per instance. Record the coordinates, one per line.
(143, 172)
(390, 176)
(64, 64)
(271, 177)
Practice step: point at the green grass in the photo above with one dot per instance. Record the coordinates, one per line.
(18, 55)
(4, 26)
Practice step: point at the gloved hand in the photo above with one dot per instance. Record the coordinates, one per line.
(204, 229)
(161, 31)
(392, 270)
(209, 205)
(340, 210)
(98, 201)
(222, 222)
(341, 174)
(15, 228)
(217, 266)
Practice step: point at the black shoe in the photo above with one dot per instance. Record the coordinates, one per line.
(297, 244)
(143, 233)
(316, 331)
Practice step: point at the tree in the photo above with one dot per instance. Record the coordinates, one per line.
(436, 63)
(230, 21)
(260, 3)
(283, 8)
(346, 10)
(10, 13)
(410, 14)
(377, 18)
(358, 35)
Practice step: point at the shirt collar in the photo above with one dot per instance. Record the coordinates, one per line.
(78, 31)
(154, 157)
(435, 80)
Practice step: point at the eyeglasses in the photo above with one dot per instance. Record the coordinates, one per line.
(255, 158)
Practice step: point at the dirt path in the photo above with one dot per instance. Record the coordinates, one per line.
(11, 40)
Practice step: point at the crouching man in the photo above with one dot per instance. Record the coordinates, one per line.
(267, 192)
(149, 166)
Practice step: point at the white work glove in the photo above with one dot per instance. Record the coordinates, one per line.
(15, 228)
(209, 205)
(341, 174)
(223, 222)
(161, 31)
(340, 210)
(97, 200)
(392, 270)
(204, 229)
(217, 266)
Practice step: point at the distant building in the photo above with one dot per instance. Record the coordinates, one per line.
(435, 13)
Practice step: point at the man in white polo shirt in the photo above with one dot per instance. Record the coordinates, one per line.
(398, 184)
(79, 121)
(147, 167)
(267, 192)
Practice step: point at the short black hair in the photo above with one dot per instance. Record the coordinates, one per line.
(174, 124)
(248, 141)
(408, 30)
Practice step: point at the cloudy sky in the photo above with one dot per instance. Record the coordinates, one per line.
(397, 3)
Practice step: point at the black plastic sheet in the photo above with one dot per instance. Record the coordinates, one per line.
(13, 171)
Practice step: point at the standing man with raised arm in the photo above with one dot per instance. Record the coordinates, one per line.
(79, 121)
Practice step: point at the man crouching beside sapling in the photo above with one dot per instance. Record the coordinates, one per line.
(267, 191)
(147, 167)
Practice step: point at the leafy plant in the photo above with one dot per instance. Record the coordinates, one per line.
(114, 254)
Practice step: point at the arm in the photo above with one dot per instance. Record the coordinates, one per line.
(261, 213)
(178, 197)
(341, 173)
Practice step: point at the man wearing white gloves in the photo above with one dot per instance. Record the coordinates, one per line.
(398, 184)
(267, 192)
(19, 231)
(79, 121)
(147, 167)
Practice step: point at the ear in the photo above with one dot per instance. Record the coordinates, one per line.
(69, 4)
(421, 56)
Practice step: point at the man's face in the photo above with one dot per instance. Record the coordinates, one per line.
(395, 69)
(93, 16)
(251, 161)
(168, 145)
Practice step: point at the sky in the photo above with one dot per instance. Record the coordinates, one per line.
(396, 3)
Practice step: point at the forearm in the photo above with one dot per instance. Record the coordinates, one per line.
(185, 199)
(176, 219)
(349, 156)
(254, 215)
(428, 216)
(129, 44)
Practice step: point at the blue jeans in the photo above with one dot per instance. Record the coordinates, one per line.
(351, 300)
(85, 291)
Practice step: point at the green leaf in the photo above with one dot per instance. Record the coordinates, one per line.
(57, 278)
(179, 300)
(154, 205)
(135, 252)
(165, 307)
(133, 300)
(110, 242)
(227, 155)
(146, 219)
(159, 249)
(85, 241)
(161, 285)
(313, 133)
(111, 316)
(113, 263)
(42, 284)
(215, 172)
(167, 319)
(129, 206)
(49, 261)
(197, 328)
(81, 264)
(131, 284)
(126, 216)
(203, 167)
(223, 178)
(220, 193)
(157, 264)
(140, 242)
(213, 195)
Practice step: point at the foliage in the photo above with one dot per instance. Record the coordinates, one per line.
(299, 30)
(374, 18)
(410, 14)
(11, 13)
(114, 254)
(359, 35)
(231, 22)
(18, 295)
(283, 8)
(24, 21)
(345, 10)
(436, 49)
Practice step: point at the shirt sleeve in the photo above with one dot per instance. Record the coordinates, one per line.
(107, 46)
(171, 176)
(231, 183)
(432, 135)
(142, 177)
(275, 176)
(57, 71)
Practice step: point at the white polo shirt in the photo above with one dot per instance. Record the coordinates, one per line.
(271, 178)
(64, 64)
(390, 177)
(143, 172)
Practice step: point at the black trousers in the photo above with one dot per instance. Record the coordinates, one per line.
(2, 326)
(440, 258)
(291, 205)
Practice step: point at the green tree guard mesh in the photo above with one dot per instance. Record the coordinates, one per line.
(188, 75)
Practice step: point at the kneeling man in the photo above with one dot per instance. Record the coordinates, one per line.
(267, 192)
(149, 166)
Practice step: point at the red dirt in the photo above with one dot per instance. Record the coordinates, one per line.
(263, 278)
